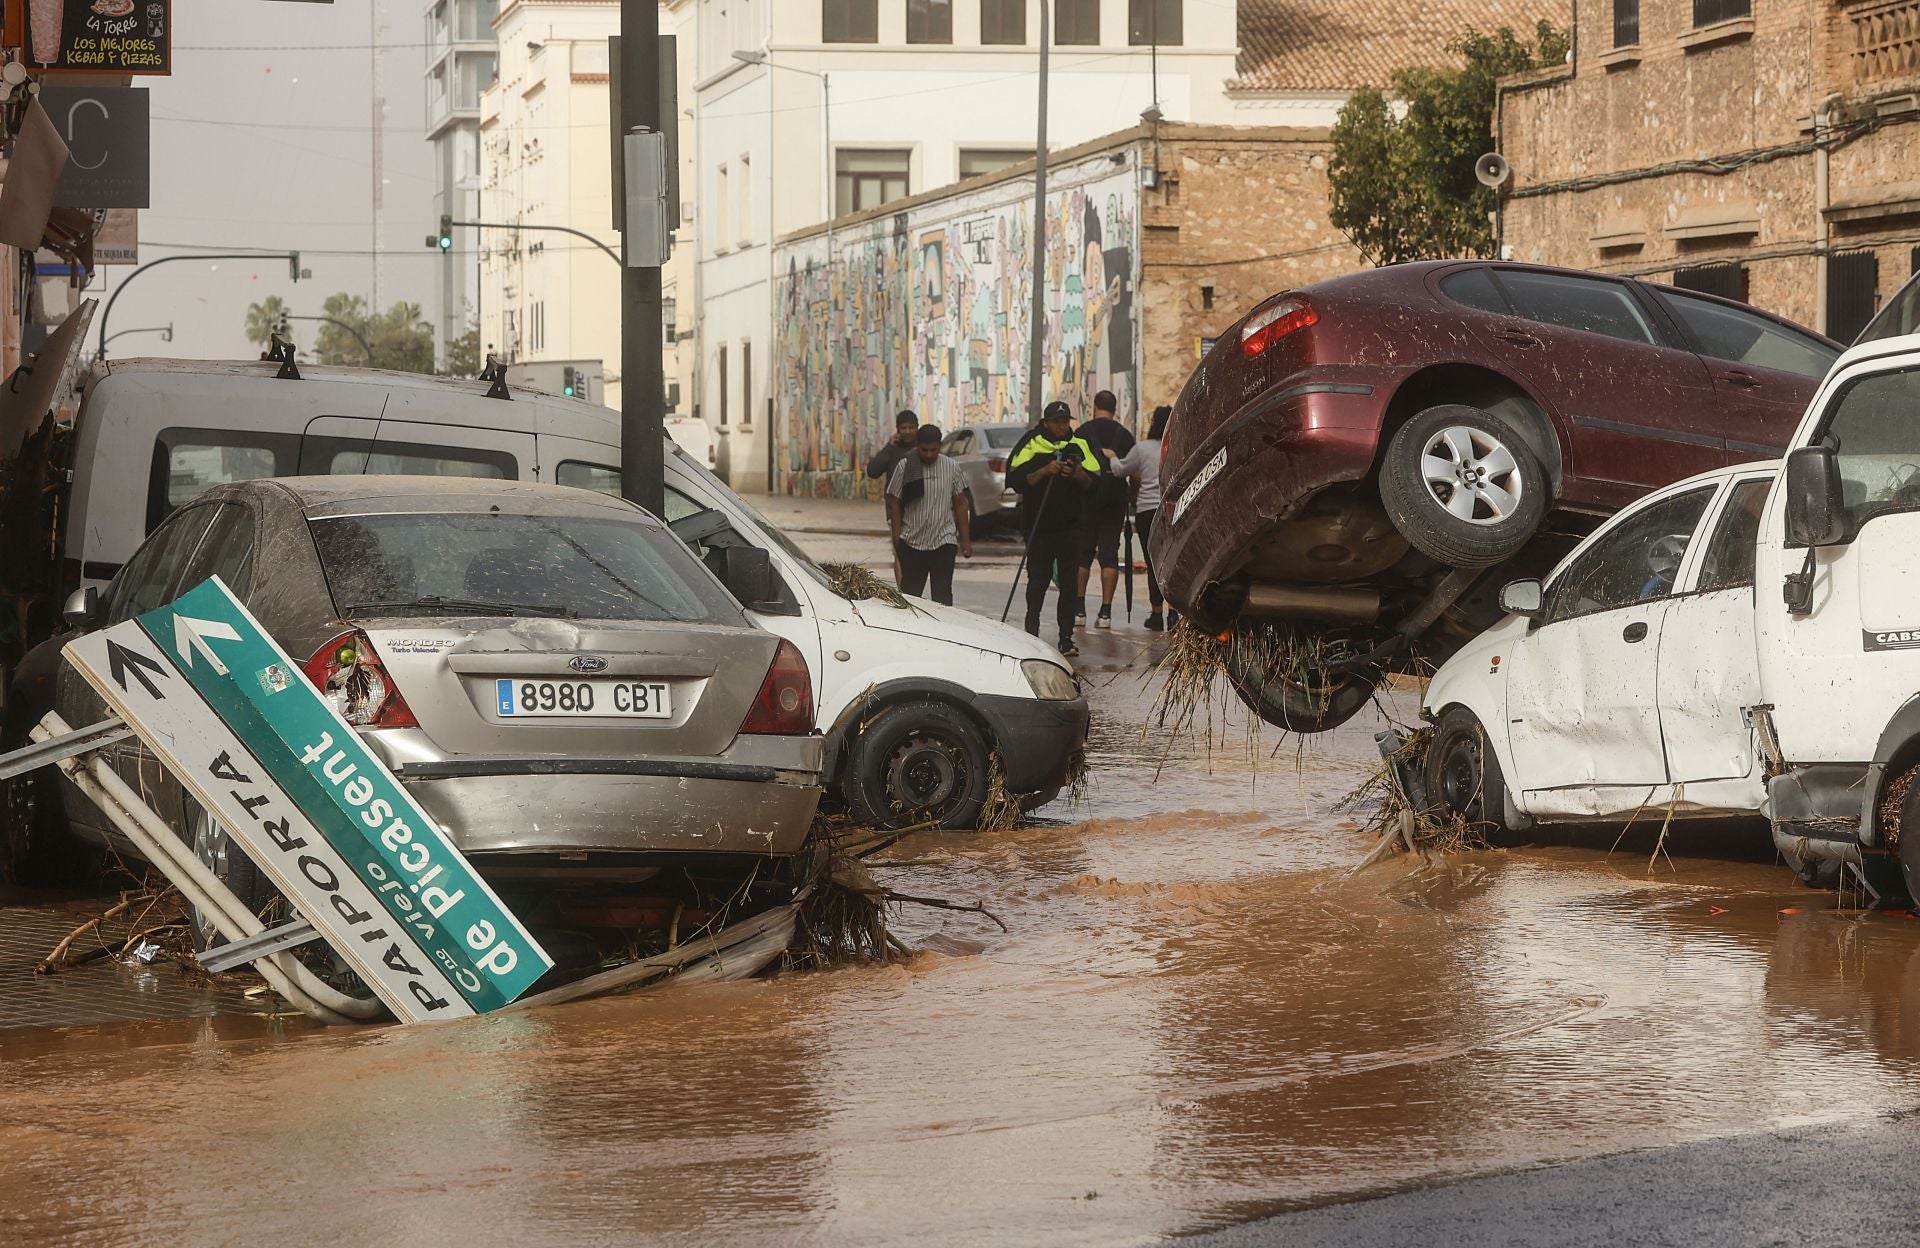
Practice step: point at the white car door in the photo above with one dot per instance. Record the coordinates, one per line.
(1709, 669)
(1583, 715)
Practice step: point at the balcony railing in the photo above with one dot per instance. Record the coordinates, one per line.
(1885, 43)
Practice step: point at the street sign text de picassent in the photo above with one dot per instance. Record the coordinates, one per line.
(205, 658)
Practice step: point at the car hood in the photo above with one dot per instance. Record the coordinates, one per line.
(950, 624)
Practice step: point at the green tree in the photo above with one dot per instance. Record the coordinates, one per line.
(1401, 183)
(400, 338)
(264, 319)
(463, 352)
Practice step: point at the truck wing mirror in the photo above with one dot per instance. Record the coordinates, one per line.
(748, 573)
(1816, 508)
(1521, 598)
(82, 609)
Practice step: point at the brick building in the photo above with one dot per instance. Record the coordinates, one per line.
(1764, 149)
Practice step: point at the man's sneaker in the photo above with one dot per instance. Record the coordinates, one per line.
(1033, 625)
(1067, 648)
(1156, 622)
(1105, 618)
(1080, 617)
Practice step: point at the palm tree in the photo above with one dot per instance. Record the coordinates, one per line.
(265, 319)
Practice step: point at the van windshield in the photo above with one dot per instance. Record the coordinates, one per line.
(1874, 425)
(1900, 316)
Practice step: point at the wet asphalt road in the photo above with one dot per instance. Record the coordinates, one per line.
(1198, 1021)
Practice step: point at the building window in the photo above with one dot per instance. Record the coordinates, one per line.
(1708, 12)
(1853, 287)
(746, 384)
(867, 179)
(929, 21)
(1727, 279)
(975, 161)
(723, 387)
(670, 320)
(1003, 21)
(1076, 23)
(743, 174)
(1626, 23)
(722, 200)
(1154, 22)
(850, 21)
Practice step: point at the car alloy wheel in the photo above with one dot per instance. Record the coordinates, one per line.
(1472, 475)
(210, 845)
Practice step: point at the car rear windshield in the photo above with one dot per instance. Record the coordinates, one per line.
(499, 563)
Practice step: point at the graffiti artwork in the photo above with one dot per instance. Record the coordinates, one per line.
(929, 310)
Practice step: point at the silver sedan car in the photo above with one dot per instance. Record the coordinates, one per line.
(981, 451)
(553, 674)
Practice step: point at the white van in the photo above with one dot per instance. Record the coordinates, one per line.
(920, 705)
(1747, 640)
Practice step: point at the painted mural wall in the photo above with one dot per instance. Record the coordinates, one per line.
(929, 310)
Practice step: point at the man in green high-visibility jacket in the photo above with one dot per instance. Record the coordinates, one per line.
(1052, 470)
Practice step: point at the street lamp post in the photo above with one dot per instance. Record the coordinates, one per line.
(357, 335)
(292, 258)
(1037, 313)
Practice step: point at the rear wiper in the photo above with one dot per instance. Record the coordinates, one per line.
(435, 602)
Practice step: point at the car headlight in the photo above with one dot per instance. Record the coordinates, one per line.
(1050, 681)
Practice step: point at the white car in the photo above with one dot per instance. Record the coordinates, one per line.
(1620, 682)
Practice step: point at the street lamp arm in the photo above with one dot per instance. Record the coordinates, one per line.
(107, 313)
(521, 225)
(165, 332)
(357, 335)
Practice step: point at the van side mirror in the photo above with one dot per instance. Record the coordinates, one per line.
(1816, 507)
(83, 608)
(747, 572)
(1521, 598)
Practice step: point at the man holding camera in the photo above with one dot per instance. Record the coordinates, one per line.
(1052, 470)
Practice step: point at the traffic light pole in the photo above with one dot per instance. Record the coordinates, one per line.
(643, 384)
(293, 266)
(524, 225)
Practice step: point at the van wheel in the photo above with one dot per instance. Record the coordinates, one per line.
(917, 764)
(1463, 776)
(1462, 487)
(217, 852)
(1909, 828)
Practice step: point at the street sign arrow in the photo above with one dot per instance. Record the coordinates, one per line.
(121, 660)
(190, 634)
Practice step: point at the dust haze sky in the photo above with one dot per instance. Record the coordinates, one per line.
(271, 147)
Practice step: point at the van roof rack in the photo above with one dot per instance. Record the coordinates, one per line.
(496, 373)
(280, 351)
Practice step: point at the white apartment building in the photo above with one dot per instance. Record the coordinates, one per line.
(917, 94)
(461, 60)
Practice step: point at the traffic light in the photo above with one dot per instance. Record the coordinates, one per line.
(293, 265)
(444, 239)
(569, 380)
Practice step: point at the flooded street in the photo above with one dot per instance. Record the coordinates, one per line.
(1194, 1017)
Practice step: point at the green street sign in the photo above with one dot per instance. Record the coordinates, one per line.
(421, 879)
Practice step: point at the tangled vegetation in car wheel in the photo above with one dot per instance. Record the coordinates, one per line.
(1295, 680)
(1462, 487)
(1464, 783)
(917, 764)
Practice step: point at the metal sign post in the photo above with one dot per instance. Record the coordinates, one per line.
(231, 715)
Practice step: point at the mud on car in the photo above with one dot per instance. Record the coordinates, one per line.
(1357, 466)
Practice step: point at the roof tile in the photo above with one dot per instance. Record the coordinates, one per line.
(1341, 45)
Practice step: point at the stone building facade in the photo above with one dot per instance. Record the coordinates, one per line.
(1158, 238)
(1763, 149)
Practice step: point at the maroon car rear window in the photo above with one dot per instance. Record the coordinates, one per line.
(1475, 289)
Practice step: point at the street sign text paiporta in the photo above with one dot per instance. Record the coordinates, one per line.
(232, 716)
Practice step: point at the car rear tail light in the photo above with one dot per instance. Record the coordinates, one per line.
(996, 465)
(1270, 324)
(348, 673)
(784, 705)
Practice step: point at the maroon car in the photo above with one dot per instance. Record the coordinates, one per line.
(1357, 466)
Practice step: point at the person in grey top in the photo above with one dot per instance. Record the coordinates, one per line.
(927, 513)
(1141, 468)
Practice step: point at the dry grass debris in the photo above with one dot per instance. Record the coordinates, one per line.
(858, 583)
(1383, 808)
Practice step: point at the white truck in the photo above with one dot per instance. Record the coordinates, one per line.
(1746, 641)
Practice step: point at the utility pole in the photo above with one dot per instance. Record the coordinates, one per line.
(643, 384)
(1037, 316)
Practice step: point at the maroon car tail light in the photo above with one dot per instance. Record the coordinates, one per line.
(348, 672)
(784, 705)
(1274, 322)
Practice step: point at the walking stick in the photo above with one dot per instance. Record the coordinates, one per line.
(1128, 525)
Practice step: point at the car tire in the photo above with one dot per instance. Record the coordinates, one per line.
(40, 850)
(917, 764)
(1298, 705)
(1462, 774)
(1462, 487)
(217, 852)
(1909, 844)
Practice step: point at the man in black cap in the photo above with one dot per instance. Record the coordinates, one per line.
(1052, 470)
(906, 426)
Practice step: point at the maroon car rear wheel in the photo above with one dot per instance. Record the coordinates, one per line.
(1297, 698)
(1462, 487)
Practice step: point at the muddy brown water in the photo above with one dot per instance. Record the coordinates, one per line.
(1195, 1017)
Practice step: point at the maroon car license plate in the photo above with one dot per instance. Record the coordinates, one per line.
(603, 698)
(1201, 480)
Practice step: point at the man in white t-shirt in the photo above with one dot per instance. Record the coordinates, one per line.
(927, 512)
